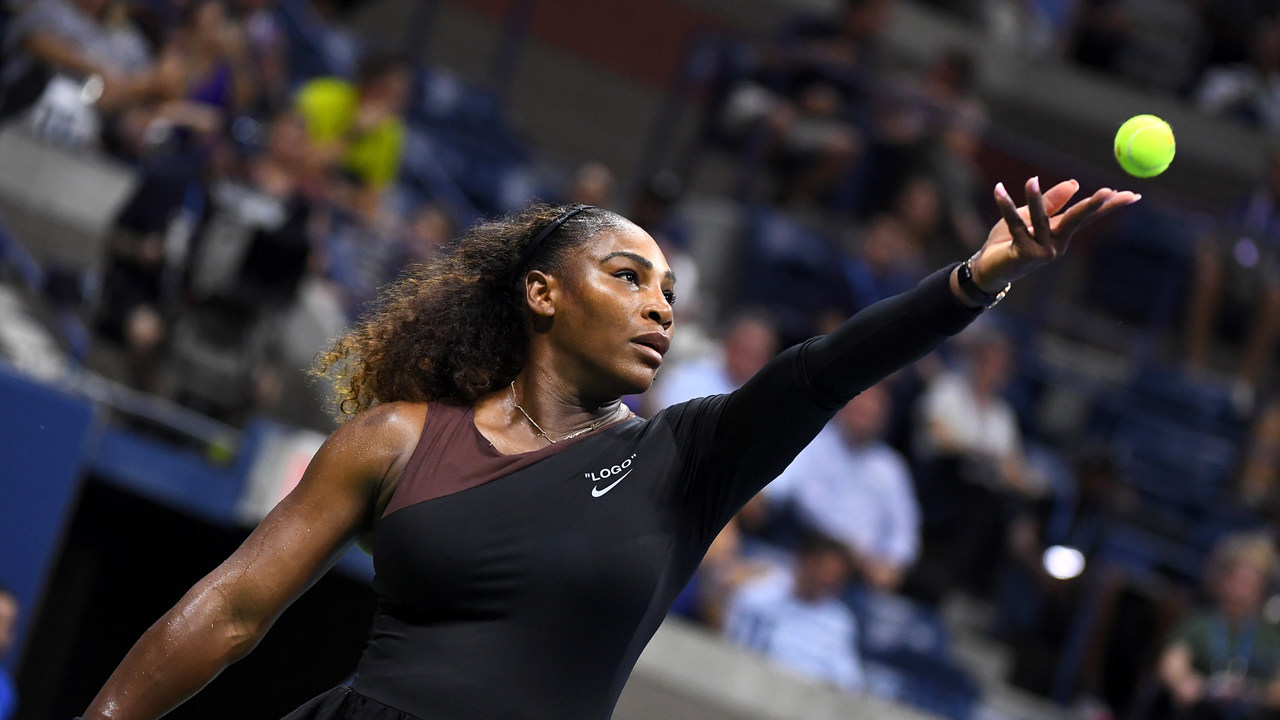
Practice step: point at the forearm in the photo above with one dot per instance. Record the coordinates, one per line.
(175, 658)
(60, 54)
(885, 337)
(793, 397)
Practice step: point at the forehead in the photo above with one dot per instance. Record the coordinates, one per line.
(626, 238)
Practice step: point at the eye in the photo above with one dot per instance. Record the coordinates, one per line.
(628, 275)
(670, 296)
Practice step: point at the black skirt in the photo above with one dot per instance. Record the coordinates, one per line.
(343, 703)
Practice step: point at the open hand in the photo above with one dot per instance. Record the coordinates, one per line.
(1013, 249)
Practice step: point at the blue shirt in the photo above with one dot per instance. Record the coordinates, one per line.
(8, 696)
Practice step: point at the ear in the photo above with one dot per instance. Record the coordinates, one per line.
(541, 291)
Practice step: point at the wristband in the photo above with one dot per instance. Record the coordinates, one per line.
(975, 294)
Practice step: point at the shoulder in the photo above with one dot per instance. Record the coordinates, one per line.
(375, 440)
(388, 422)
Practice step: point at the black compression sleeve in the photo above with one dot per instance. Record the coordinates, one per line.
(735, 444)
(882, 338)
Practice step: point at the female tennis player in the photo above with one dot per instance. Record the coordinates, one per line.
(529, 532)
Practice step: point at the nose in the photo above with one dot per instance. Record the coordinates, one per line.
(659, 310)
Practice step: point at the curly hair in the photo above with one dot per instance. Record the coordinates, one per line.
(456, 328)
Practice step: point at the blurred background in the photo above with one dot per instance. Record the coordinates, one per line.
(1068, 511)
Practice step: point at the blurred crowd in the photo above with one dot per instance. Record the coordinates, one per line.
(1220, 55)
(287, 171)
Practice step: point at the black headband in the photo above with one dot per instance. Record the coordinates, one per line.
(546, 231)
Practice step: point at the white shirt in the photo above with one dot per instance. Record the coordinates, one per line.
(814, 640)
(989, 427)
(695, 378)
(862, 496)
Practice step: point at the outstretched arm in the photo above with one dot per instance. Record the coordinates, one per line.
(224, 616)
(759, 428)
(897, 331)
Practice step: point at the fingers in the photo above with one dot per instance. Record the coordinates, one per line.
(1010, 212)
(1039, 217)
(1115, 201)
(1097, 206)
(1057, 197)
(1050, 225)
(1077, 215)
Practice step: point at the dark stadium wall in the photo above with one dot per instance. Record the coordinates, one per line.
(125, 562)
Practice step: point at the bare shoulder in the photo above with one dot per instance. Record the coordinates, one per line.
(382, 436)
(388, 420)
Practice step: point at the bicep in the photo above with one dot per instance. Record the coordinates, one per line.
(307, 532)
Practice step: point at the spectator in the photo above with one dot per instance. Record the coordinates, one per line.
(883, 260)
(1238, 264)
(973, 469)
(750, 341)
(144, 270)
(1248, 92)
(429, 230)
(593, 184)
(1036, 608)
(953, 142)
(250, 255)
(321, 43)
(207, 61)
(204, 77)
(1032, 27)
(87, 47)
(725, 568)
(269, 45)
(8, 633)
(358, 129)
(797, 619)
(1103, 29)
(1229, 24)
(1257, 486)
(1224, 660)
(654, 209)
(966, 419)
(849, 485)
(796, 107)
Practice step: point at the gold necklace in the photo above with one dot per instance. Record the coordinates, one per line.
(538, 427)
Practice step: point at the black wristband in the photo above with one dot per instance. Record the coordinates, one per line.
(975, 294)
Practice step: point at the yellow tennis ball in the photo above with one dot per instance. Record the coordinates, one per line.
(1144, 146)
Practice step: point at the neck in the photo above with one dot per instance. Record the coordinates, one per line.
(556, 408)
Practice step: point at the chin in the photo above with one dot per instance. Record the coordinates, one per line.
(637, 381)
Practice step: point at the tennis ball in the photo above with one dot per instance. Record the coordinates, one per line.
(1144, 146)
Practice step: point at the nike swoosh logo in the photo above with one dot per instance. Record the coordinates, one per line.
(597, 492)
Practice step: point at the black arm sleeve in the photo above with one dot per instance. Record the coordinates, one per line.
(735, 444)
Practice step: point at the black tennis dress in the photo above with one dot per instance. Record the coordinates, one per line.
(524, 587)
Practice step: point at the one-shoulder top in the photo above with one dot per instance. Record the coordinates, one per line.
(525, 586)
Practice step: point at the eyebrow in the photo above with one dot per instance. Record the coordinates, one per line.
(639, 259)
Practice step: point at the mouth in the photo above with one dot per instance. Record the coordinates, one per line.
(655, 345)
